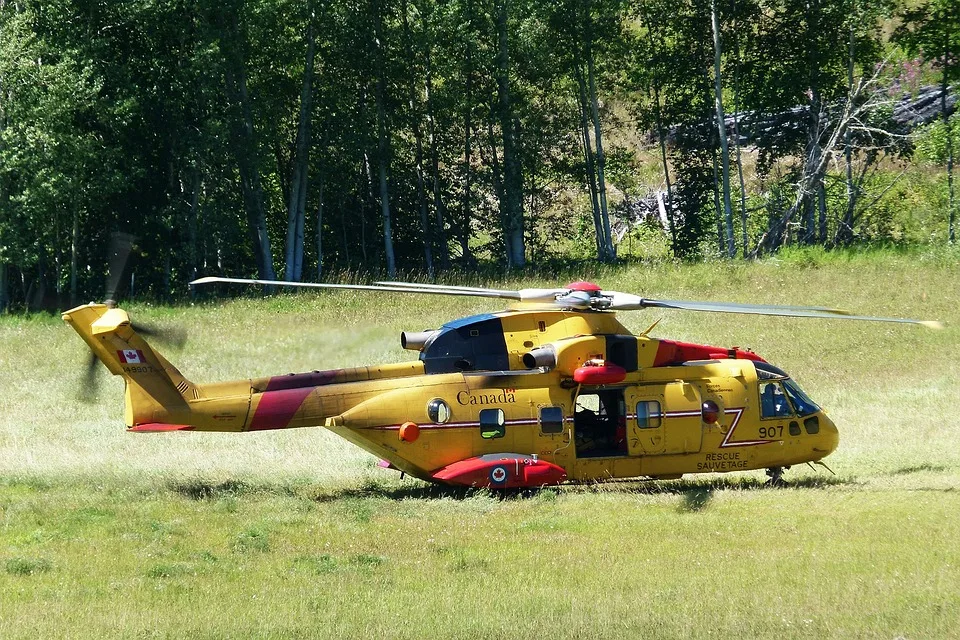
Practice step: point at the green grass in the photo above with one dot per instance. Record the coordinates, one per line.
(299, 534)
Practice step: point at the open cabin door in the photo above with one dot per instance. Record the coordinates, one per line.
(665, 419)
(600, 420)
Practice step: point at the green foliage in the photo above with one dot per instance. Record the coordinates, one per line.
(931, 141)
(178, 122)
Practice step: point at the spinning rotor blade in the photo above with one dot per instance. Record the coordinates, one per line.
(400, 287)
(121, 245)
(449, 287)
(627, 302)
(581, 298)
(90, 382)
(175, 337)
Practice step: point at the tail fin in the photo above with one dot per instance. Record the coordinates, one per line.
(156, 392)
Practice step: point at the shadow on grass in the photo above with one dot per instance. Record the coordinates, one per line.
(200, 489)
(696, 493)
(418, 491)
(903, 471)
(696, 499)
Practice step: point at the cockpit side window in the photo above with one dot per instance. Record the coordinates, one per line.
(773, 402)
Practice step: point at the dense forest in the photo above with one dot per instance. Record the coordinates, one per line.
(304, 140)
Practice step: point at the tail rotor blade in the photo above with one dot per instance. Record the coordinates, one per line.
(121, 245)
(90, 381)
(175, 337)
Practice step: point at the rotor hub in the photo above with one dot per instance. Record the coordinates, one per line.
(586, 287)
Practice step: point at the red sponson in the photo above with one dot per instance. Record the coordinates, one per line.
(508, 472)
(674, 352)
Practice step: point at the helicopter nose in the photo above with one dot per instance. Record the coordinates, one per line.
(829, 436)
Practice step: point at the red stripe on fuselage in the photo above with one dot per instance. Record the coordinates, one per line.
(300, 380)
(671, 352)
(277, 408)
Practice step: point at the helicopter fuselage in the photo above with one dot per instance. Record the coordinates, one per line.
(518, 398)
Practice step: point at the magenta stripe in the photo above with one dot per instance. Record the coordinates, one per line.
(277, 408)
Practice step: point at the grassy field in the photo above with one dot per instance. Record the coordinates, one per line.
(299, 534)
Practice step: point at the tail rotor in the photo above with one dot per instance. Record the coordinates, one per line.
(122, 246)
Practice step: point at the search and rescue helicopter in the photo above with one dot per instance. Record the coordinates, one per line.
(553, 390)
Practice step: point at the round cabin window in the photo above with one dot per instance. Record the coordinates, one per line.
(438, 411)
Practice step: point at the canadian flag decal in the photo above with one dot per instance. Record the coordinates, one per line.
(131, 356)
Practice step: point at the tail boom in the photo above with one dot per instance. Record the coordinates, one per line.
(159, 398)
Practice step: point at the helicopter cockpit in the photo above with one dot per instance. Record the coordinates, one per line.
(781, 397)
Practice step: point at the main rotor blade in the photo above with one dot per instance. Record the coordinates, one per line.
(450, 287)
(408, 288)
(626, 302)
(546, 296)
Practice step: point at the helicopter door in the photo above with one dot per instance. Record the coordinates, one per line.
(600, 423)
(684, 428)
(666, 419)
(645, 424)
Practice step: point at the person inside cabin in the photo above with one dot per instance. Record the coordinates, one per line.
(773, 404)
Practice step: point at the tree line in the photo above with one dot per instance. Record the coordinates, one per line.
(289, 140)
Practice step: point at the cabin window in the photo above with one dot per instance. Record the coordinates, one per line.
(492, 424)
(438, 411)
(551, 420)
(773, 402)
(648, 414)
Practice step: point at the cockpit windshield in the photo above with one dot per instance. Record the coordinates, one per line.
(801, 402)
(774, 395)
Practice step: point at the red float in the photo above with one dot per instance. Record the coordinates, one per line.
(502, 471)
(599, 373)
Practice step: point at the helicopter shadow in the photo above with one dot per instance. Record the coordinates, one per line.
(696, 493)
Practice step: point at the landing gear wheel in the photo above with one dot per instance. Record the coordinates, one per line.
(776, 477)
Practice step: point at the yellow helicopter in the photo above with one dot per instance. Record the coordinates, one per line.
(553, 390)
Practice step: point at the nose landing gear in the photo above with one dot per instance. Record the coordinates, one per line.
(776, 476)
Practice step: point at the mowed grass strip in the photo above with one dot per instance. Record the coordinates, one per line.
(299, 534)
(814, 562)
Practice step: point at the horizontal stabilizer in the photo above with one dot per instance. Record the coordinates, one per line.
(157, 427)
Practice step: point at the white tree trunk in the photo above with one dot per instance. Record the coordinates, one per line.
(722, 133)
